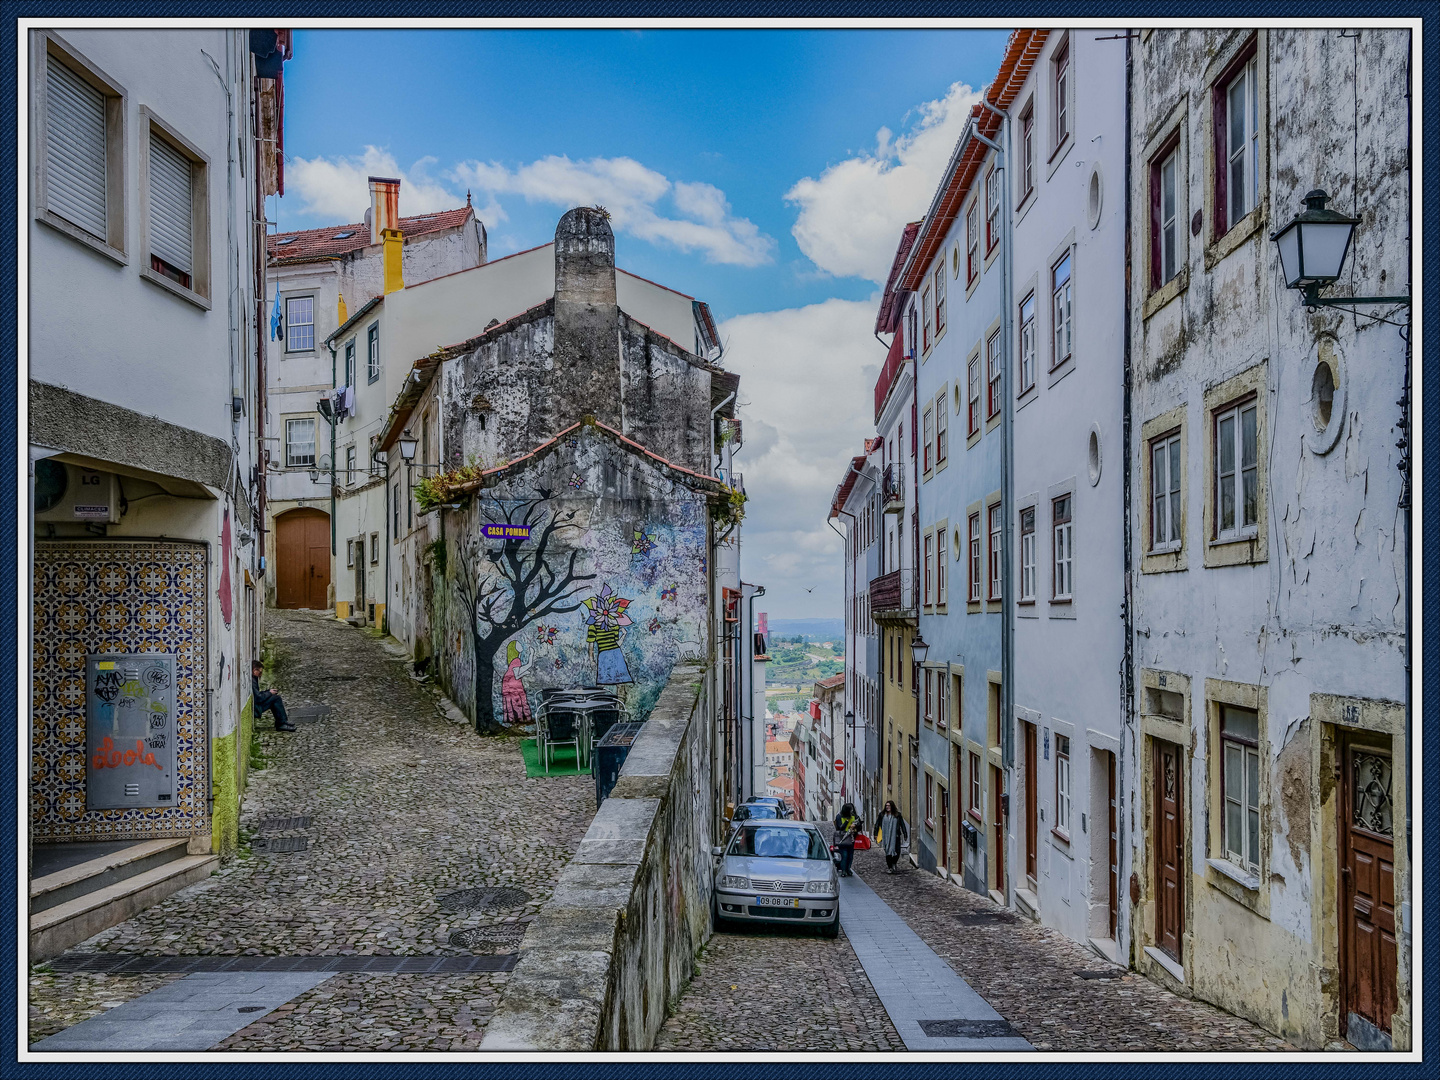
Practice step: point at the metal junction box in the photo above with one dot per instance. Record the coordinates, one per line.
(129, 730)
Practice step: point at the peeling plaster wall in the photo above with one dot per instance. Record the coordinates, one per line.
(1315, 605)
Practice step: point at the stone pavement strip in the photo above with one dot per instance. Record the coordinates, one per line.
(192, 1014)
(931, 1007)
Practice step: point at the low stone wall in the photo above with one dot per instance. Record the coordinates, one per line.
(618, 939)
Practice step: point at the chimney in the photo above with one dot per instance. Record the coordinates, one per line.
(385, 228)
(587, 346)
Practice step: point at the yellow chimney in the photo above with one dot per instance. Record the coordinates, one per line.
(394, 244)
(340, 312)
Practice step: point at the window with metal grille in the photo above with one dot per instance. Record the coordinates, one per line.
(172, 212)
(75, 149)
(299, 323)
(300, 442)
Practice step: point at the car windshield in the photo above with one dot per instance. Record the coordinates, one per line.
(770, 842)
(754, 811)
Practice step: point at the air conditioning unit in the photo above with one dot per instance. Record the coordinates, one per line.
(70, 493)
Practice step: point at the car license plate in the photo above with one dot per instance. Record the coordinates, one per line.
(776, 901)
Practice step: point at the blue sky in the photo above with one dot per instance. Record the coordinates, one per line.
(767, 172)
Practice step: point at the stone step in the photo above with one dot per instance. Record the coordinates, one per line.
(65, 885)
(54, 930)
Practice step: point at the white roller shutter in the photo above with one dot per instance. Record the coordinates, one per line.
(171, 212)
(74, 149)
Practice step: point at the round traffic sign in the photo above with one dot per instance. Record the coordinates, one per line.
(839, 764)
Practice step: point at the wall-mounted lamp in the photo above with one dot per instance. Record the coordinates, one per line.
(919, 648)
(1312, 250)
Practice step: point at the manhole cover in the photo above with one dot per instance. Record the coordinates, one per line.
(489, 939)
(283, 824)
(1112, 973)
(337, 678)
(967, 1029)
(251, 1008)
(280, 844)
(483, 899)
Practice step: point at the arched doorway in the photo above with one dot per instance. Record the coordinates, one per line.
(302, 550)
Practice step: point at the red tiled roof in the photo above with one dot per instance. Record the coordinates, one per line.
(888, 318)
(832, 682)
(328, 243)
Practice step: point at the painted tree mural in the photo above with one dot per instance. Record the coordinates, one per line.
(505, 585)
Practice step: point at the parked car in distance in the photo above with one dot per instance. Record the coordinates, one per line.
(754, 812)
(771, 800)
(776, 871)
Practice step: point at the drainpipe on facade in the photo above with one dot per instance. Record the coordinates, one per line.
(1127, 671)
(1007, 460)
(333, 422)
(386, 617)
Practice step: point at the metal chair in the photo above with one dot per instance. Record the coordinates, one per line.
(561, 729)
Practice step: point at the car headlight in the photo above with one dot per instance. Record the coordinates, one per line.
(734, 881)
(819, 887)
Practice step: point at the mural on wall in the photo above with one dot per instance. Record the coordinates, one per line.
(607, 621)
(512, 690)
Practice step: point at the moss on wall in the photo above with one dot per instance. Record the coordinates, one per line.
(229, 771)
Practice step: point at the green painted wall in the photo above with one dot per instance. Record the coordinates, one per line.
(230, 768)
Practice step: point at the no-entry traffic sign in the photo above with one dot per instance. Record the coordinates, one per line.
(839, 764)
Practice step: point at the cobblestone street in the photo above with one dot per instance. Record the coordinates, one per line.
(423, 840)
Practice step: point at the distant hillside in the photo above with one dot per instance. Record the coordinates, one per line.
(810, 629)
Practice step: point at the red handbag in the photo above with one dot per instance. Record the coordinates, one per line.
(862, 842)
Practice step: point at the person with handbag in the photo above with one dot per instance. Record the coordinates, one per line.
(892, 832)
(847, 827)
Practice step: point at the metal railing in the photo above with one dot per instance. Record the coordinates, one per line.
(893, 595)
(893, 484)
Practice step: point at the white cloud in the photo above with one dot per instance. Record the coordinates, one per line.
(337, 189)
(806, 376)
(850, 218)
(700, 219)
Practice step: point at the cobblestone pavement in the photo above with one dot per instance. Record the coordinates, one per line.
(778, 989)
(59, 1000)
(1028, 974)
(407, 809)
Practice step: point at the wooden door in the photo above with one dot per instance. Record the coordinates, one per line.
(1367, 887)
(302, 557)
(1032, 798)
(997, 782)
(1114, 851)
(1168, 801)
(944, 829)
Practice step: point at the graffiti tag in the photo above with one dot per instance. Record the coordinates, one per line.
(107, 757)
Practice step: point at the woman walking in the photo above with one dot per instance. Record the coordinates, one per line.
(892, 831)
(847, 827)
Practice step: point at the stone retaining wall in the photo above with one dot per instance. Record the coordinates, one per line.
(617, 940)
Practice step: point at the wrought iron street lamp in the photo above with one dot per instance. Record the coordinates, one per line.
(919, 648)
(408, 443)
(1312, 251)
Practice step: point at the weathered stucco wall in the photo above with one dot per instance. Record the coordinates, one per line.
(617, 941)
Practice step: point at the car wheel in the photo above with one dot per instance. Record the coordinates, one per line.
(832, 931)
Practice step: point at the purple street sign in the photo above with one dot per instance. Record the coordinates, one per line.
(507, 532)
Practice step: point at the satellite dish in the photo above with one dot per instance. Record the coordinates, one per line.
(325, 461)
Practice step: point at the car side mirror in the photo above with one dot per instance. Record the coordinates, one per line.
(717, 852)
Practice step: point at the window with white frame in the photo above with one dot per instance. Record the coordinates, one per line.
(928, 319)
(940, 299)
(1165, 504)
(929, 802)
(1027, 151)
(975, 562)
(973, 411)
(1242, 145)
(1027, 343)
(1062, 784)
(929, 545)
(997, 525)
(974, 806)
(374, 548)
(349, 552)
(992, 209)
(928, 698)
(972, 242)
(1060, 91)
(1027, 555)
(350, 476)
(300, 442)
(350, 362)
(372, 344)
(993, 366)
(942, 700)
(928, 422)
(1237, 496)
(1062, 295)
(1240, 785)
(1167, 247)
(1063, 545)
(299, 324)
(942, 442)
(395, 507)
(940, 590)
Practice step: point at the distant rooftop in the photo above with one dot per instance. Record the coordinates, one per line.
(335, 240)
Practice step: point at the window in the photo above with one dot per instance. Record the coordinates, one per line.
(372, 345)
(174, 211)
(992, 209)
(395, 504)
(1027, 343)
(974, 558)
(349, 552)
(928, 711)
(1063, 548)
(940, 299)
(1027, 555)
(913, 334)
(1240, 784)
(973, 413)
(350, 477)
(929, 423)
(1237, 130)
(1027, 152)
(1236, 478)
(81, 190)
(975, 784)
(996, 537)
(972, 243)
(1062, 785)
(299, 323)
(929, 567)
(1060, 104)
(1061, 296)
(350, 362)
(929, 801)
(1165, 233)
(300, 442)
(928, 319)
(942, 716)
(1165, 505)
(992, 374)
(940, 590)
(942, 440)
(374, 548)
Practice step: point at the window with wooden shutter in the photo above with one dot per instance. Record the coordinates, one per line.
(75, 172)
(172, 212)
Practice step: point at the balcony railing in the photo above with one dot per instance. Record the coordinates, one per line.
(893, 596)
(893, 487)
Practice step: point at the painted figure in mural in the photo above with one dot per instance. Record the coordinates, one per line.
(512, 691)
(606, 620)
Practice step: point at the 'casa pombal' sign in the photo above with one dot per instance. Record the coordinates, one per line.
(507, 532)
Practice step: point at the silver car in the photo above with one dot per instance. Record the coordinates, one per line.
(777, 871)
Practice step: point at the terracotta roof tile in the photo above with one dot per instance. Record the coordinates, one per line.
(335, 240)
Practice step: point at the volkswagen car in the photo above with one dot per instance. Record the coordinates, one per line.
(777, 871)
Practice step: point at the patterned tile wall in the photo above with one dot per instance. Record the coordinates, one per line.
(112, 596)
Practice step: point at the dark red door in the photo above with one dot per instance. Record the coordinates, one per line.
(1367, 887)
(1169, 849)
(997, 788)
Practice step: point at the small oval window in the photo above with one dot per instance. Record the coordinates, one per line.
(1094, 461)
(1096, 197)
(1322, 395)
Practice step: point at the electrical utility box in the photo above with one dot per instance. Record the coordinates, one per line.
(129, 730)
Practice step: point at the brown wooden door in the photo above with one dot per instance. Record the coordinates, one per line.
(997, 782)
(1032, 798)
(1114, 852)
(1367, 887)
(944, 829)
(302, 556)
(1169, 848)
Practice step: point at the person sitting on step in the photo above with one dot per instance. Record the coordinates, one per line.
(268, 700)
